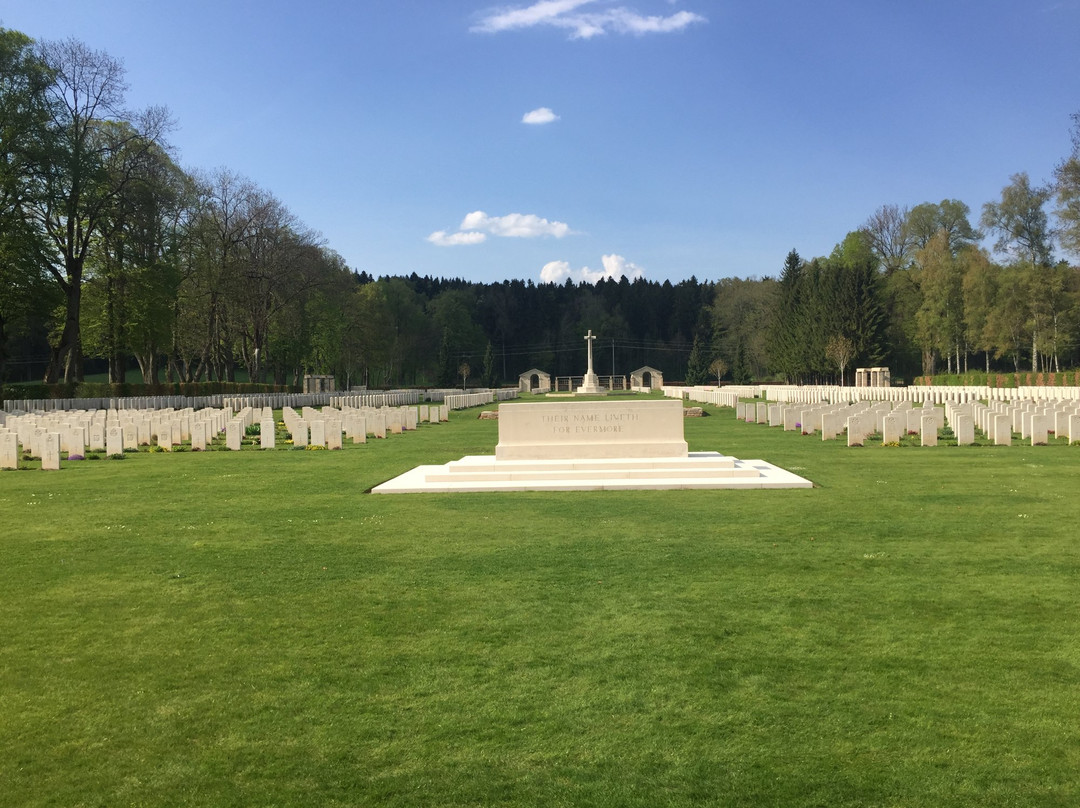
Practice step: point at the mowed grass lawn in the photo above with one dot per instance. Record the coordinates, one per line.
(247, 629)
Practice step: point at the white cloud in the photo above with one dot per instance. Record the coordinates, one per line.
(539, 116)
(440, 238)
(615, 267)
(514, 225)
(581, 23)
(476, 227)
(555, 272)
(541, 13)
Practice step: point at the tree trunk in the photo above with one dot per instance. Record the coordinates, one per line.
(3, 354)
(66, 359)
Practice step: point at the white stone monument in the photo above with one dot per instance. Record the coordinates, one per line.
(581, 429)
(590, 385)
(591, 446)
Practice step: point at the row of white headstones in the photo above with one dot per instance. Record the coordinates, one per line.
(53, 435)
(1033, 421)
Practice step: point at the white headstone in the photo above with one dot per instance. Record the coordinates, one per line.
(1003, 429)
(50, 451)
(97, 437)
(892, 428)
(198, 436)
(914, 421)
(1040, 427)
(929, 429)
(75, 445)
(266, 434)
(9, 450)
(393, 421)
(791, 418)
(300, 433)
(776, 415)
(318, 432)
(234, 434)
(965, 430)
(114, 441)
(855, 431)
(831, 424)
(333, 434)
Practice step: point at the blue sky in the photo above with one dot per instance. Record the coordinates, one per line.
(682, 137)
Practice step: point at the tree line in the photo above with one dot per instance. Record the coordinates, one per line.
(113, 257)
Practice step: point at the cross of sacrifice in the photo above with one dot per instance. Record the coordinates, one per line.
(589, 341)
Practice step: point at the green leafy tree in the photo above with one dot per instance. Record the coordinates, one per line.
(851, 299)
(1020, 221)
(24, 136)
(491, 375)
(132, 274)
(740, 369)
(940, 318)
(1007, 322)
(447, 366)
(950, 215)
(840, 350)
(718, 368)
(741, 312)
(888, 231)
(1022, 227)
(785, 334)
(1067, 193)
(979, 288)
(697, 365)
(89, 164)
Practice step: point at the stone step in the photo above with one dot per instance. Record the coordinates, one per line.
(625, 474)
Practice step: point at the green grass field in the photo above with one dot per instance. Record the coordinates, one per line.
(240, 629)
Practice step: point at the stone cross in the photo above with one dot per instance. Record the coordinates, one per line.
(589, 341)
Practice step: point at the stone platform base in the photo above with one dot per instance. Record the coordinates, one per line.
(698, 470)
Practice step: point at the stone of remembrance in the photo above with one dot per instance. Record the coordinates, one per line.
(592, 445)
